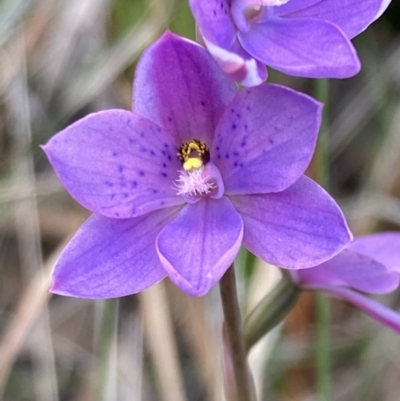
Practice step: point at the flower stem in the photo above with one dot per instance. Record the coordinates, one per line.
(270, 311)
(322, 150)
(108, 324)
(323, 303)
(234, 334)
(323, 348)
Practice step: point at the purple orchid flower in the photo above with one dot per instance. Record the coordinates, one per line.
(197, 169)
(306, 38)
(369, 264)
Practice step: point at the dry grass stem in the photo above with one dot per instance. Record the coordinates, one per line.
(195, 317)
(384, 174)
(161, 342)
(29, 308)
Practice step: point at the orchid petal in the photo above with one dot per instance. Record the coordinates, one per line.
(200, 244)
(181, 88)
(238, 64)
(383, 247)
(110, 258)
(352, 16)
(116, 163)
(382, 9)
(265, 139)
(350, 269)
(294, 6)
(297, 228)
(379, 312)
(287, 45)
(214, 20)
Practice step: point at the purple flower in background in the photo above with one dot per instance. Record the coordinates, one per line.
(369, 264)
(306, 38)
(197, 169)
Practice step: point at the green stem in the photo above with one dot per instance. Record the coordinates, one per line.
(270, 311)
(323, 303)
(108, 325)
(322, 150)
(233, 330)
(323, 348)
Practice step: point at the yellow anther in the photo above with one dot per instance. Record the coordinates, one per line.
(194, 146)
(193, 154)
(192, 163)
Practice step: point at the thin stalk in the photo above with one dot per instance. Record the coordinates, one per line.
(105, 340)
(270, 311)
(321, 158)
(323, 303)
(323, 348)
(234, 334)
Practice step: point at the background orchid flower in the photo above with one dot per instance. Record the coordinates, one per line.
(369, 264)
(307, 38)
(198, 168)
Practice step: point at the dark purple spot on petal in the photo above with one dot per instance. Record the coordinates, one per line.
(126, 195)
(134, 184)
(152, 152)
(271, 141)
(120, 168)
(109, 184)
(141, 173)
(142, 134)
(245, 127)
(243, 144)
(170, 119)
(164, 165)
(203, 103)
(227, 156)
(235, 164)
(115, 154)
(162, 203)
(117, 214)
(163, 174)
(112, 196)
(233, 126)
(155, 191)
